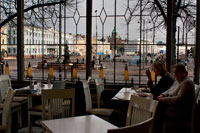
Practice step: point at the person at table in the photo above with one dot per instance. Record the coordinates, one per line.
(165, 81)
(176, 103)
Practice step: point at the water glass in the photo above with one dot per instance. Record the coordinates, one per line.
(39, 86)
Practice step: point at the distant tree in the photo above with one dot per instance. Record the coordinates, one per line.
(32, 10)
(184, 11)
(157, 9)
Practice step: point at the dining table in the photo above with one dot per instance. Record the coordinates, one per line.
(30, 92)
(79, 124)
(125, 94)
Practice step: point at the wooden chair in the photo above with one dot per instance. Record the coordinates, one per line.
(104, 113)
(33, 111)
(99, 89)
(190, 123)
(142, 127)
(140, 109)
(6, 127)
(89, 79)
(58, 103)
(5, 84)
(38, 110)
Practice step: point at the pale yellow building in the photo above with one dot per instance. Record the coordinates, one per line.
(4, 39)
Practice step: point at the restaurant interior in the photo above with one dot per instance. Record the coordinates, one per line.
(74, 83)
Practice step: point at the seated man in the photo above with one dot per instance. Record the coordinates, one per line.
(165, 81)
(176, 103)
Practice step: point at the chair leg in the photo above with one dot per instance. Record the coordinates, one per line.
(164, 128)
(19, 116)
(192, 128)
(10, 123)
(29, 123)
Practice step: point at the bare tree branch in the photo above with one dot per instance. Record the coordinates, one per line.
(38, 5)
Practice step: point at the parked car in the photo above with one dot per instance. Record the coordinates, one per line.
(49, 56)
(75, 54)
(117, 55)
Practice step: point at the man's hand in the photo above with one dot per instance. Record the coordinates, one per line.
(160, 98)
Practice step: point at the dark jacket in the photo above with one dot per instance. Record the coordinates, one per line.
(165, 82)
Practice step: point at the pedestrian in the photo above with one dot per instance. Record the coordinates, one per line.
(93, 64)
(151, 62)
(77, 61)
(137, 63)
(83, 60)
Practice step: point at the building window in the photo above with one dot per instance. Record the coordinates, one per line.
(9, 51)
(14, 41)
(9, 40)
(14, 50)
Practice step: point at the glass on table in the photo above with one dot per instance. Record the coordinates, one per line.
(39, 86)
(32, 87)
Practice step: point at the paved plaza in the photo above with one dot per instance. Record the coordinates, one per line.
(108, 70)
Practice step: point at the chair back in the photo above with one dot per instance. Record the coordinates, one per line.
(140, 109)
(88, 99)
(58, 85)
(58, 103)
(197, 90)
(142, 127)
(5, 83)
(99, 89)
(80, 106)
(7, 109)
(89, 79)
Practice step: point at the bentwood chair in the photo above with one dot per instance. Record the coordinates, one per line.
(142, 127)
(58, 103)
(5, 84)
(140, 109)
(36, 110)
(6, 127)
(189, 123)
(140, 116)
(104, 113)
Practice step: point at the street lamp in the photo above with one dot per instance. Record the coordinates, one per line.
(96, 35)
